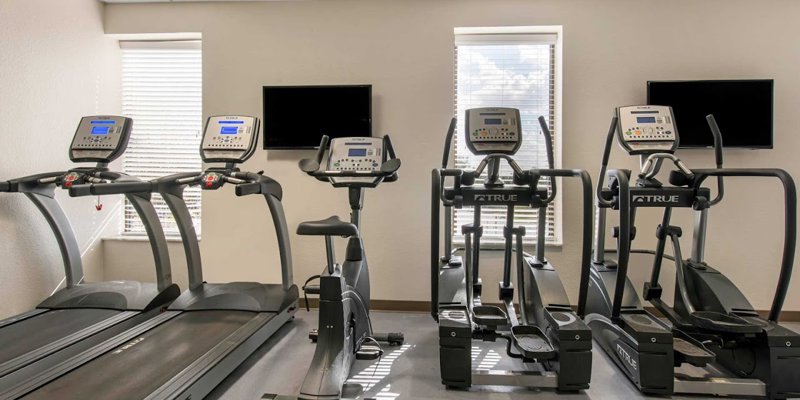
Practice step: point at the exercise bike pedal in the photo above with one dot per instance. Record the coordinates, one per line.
(313, 335)
(532, 343)
(311, 289)
(393, 338)
(367, 352)
(489, 316)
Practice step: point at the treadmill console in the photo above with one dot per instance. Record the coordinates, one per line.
(229, 138)
(356, 154)
(647, 129)
(493, 130)
(100, 138)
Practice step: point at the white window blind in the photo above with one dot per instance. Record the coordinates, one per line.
(162, 92)
(509, 67)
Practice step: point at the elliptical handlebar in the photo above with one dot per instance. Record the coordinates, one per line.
(790, 224)
(652, 165)
(712, 124)
(604, 166)
(451, 130)
(548, 143)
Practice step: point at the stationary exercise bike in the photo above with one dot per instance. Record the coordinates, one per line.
(345, 328)
(547, 334)
(713, 326)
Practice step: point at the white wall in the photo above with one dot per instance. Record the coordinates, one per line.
(56, 66)
(405, 50)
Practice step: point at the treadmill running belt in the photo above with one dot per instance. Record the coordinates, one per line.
(40, 330)
(137, 368)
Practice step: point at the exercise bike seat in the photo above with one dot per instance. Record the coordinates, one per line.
(331, 226)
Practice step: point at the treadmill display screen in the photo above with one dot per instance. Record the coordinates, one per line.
(100, 130)
(646, 120)
(229, 130)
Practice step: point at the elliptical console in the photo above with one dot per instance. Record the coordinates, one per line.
(493, 130)
(647, 129)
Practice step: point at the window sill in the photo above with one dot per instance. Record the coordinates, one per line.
(121, 238)
(528, 247)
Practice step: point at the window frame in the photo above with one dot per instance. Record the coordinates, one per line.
(553, 34)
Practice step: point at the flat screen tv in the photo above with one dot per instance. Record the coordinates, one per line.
(296, 117)
(742, 108)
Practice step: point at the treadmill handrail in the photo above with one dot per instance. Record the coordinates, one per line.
(141, 202)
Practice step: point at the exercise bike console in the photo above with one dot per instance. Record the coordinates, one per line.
(356, 154)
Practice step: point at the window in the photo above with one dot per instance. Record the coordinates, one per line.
(515, 67)
(162, 92)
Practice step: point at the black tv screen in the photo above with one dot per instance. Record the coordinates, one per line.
(296, 117)
(742, 109)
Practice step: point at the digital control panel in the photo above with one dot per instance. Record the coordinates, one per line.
(493, 130)
(229, 138)
(100, 138)
(356, 154)
(647, 129)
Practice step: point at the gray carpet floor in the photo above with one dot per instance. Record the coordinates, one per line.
(410, 371)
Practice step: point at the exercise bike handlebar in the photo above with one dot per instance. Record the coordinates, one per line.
(386, 173)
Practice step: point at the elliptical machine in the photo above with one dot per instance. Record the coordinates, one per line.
(713, 326)
(547, 333)
(344, 326)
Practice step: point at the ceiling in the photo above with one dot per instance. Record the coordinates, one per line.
(179, 1)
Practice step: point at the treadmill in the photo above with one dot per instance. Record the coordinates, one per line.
(210, 329)
(83, 314)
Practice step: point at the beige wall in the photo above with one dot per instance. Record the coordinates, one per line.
(404, 49)
(56, 66)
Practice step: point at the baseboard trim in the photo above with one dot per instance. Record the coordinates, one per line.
(386, 305)
(786, 316)
(425, 307)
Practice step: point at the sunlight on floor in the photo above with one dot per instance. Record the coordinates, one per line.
(374, 374)
(488, 361)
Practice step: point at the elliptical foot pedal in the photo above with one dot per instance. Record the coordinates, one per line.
(689, 350)
(489, 316)
(367, 352)
(724, 322)
(531, 342)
